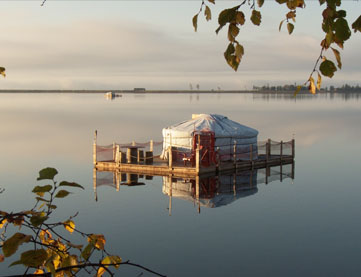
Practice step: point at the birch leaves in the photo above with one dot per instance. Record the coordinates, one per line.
(334, 24)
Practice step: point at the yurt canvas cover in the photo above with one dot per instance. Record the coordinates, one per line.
(227, 133)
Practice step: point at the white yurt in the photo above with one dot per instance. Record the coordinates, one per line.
(227, 133)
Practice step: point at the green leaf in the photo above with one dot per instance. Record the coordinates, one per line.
(240, 18)
(12, 244)
(47, 173)
(327, 68)
(208, 13)
(338, 57)
(226, 16)
(33, 258)
(239, 50)
(279, 28)
(356, 26)
(256, 17)
(37, 220)
(53, 207)
(2, 71)
(260, 3)
(233, 31)
(341, 13)
(342, 31)
(68, 184)
(42, 189)
(87, 250)
(290, 27)
(195, 20)
(62, 194)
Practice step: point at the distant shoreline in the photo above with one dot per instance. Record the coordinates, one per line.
(168, 91)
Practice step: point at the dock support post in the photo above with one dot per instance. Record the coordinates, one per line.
(235, 154)
(170, 158)
(268, 150)
(293, 148)
(281, 174)
(293, 171)
(140, 156)
(95, 184)
(197, 160)
(95, 148)
(281, 151)
(170, 194)
(151, 145)
(234, 184)
(197, 193)
(251, 155)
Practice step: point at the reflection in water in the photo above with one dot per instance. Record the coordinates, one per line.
(209, 192)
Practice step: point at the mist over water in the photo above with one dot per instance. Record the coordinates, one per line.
(306, 227)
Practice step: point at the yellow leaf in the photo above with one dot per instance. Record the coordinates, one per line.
(194, 21)
(207, 13)
(312, 87)
(101, 270)
(338, 57)
(39, 271)
(97, 240)
(279, 28)
(3, 222)
(319, 80)
(69, 225)
(297, 90)
(2, 71)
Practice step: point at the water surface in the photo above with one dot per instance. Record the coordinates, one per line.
(306, 227)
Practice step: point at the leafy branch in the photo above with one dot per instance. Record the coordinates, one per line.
(52, 252)
(334, 25)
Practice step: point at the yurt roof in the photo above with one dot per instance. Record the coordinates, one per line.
(219, 124)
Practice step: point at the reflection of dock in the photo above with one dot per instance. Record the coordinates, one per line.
(204, 191)
(133, 158)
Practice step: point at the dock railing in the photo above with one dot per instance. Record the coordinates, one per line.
(143, 153)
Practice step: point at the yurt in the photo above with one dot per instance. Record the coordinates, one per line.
(213, 133)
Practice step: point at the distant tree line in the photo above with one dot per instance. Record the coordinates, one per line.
(346, 88)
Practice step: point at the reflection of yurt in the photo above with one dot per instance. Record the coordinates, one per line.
(213, 132)
(212, 194)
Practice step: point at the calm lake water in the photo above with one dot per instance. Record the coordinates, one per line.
(309, 226)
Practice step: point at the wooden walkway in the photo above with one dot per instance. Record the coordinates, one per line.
(160, 167)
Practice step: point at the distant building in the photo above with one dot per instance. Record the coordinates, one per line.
(139, 89)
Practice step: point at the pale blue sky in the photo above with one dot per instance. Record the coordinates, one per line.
(126, 44)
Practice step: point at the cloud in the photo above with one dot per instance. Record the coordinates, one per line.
(88, 53)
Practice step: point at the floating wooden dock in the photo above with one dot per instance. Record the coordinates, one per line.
(134, 161)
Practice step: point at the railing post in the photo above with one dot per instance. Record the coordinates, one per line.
(117, 155)
(133, 143)
(114, 151)
(151, 145)
(293, 148)
(170, 157)
(140, 156)
(95, 148)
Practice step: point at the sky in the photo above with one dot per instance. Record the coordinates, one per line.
(152, 44)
